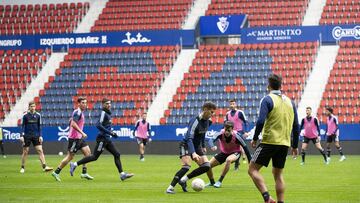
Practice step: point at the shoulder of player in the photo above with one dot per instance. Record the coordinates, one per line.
(240, 111)
(77, 111)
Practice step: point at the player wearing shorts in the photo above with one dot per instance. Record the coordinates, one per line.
(230, 143)
(240, 125)
(332, 134)
(192, 147)
(76, 140)
(311, 133)
(31, 134)
(103, 141)
(277, 122)
(142, 134)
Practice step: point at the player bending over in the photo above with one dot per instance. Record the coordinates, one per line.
(230, 146)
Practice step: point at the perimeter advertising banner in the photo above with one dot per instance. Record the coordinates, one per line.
(327, 34)
(100, 39)
(158, 133)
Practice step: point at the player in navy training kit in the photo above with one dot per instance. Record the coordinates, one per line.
(103, 141)
(31, 133)
(192, 147)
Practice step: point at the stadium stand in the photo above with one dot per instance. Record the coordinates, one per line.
(41, 18)
(342, 90)
(18, 68)
(142, 15)
(129, 76)
(341, 12)
(271, 13)
(223, 72)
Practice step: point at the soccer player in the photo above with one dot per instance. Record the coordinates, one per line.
(240, 125)
(1, 143)
(277, 121)
(31, 133)
(230, 146)
(332, 132)
(103, 141)
(311, 133)
(192, 147)
(76, 140)
(142, 134)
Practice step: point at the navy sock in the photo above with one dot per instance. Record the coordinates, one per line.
(198, 171)
(221, 178)
(58, 170)
(179, 175)
(266, 196)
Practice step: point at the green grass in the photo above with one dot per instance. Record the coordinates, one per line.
(313, 182)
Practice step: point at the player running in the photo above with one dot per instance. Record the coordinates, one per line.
(76, 140)
(103, 141)
(142, 134)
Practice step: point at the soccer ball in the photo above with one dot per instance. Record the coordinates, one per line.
(197, 184)
(61, 153)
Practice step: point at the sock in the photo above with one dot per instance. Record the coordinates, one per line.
(22, 166)
(266, 196)
(340, 151)
(75, 164)
(184, 178)
(84, 170)
(303, 156)
(200, 170)
(237, 163)
(179, 174)
(122, 173)
(328, 151)
(221, 178)
(323, 154)
(43, 165)
(58, 170)
(212, 181)
(141, 156)
(280, 202)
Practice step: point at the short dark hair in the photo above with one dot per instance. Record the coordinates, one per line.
(232, 100)
(31, 103)
(275, 81)
(104, 100)
(228, 124)
(308, 107)
(80, 99)
(329, 109)
(209, 105)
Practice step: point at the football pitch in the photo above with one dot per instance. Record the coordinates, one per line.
(313, 182)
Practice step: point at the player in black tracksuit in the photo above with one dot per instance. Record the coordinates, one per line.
(103, 141)
(192, 147)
